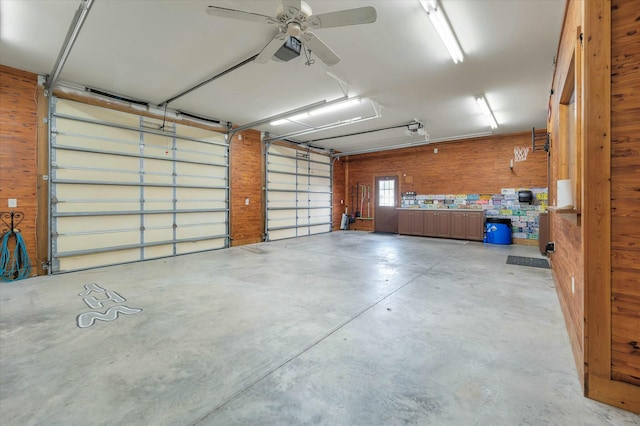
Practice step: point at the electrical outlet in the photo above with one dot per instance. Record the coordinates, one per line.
(246, 201)
(12, 203)
(435, 150)
(573, 285)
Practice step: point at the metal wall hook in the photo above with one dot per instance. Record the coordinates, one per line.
(11, 220)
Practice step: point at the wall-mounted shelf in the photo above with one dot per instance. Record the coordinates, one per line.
(563, 210)
(570, 214)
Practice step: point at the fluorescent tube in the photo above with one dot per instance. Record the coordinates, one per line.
(484, 107)
(318, 111)
(444, 30)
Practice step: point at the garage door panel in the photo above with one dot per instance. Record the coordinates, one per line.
(98, 259)
(195, 246)
(138, 177)
(81, 110)
(319, 229)
(280, 234)
(158, 220)
(96, 224)
(298, 191)
(154, 252)
(154, 235)
(89, 135)
(197, 198)
(184, 170)
(87, 242)
(158, 198)
(202, 231)
(199, 218)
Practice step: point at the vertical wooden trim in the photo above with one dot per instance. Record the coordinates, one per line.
(42, 184)
(597, 193)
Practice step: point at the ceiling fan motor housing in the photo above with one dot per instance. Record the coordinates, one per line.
(289, 50)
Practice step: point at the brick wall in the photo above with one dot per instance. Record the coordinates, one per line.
(246, 183)
(471, 166)
(18, 112)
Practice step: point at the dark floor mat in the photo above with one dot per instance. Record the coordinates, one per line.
(528, 261)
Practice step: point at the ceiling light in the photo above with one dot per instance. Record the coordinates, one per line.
(444, 30)
(484, 107)
(318, 111)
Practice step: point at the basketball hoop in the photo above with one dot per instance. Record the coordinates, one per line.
(520, 153)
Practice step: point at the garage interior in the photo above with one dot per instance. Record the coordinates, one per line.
(272, 212)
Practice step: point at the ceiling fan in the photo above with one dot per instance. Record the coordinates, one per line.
(294, 18)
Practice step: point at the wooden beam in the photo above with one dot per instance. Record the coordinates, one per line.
(597, 194)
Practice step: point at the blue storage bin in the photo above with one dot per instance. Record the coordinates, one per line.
(498, 231)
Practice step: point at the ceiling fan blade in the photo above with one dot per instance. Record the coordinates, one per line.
(317, 46)
(271, 48)
(223, 12)
(340, 18)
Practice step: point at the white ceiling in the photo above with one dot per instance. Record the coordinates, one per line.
(153, 50)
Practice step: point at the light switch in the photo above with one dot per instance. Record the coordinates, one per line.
(246, 201)
(13, 202)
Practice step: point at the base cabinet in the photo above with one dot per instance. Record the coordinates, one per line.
(410, 222)
(444, 224)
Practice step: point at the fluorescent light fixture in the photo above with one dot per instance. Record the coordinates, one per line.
(488, 114)
(434, 10)
(318, 111)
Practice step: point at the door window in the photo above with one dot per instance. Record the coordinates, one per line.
(386, 193)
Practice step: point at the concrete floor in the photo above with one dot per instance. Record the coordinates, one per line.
(346, 328)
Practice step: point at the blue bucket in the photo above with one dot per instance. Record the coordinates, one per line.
(498, 231)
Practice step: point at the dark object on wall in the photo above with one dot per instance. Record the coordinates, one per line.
(543, 233)
(525, 197)
(546, 138)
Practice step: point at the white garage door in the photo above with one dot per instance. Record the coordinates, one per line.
(298, 192)
(122, 190)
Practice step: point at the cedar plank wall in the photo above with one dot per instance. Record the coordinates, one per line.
(602, 320)
(18, 113)
(471, 166)
(625, 191)
(568, 259)
(246, 182)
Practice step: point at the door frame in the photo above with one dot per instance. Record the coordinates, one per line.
(378, 225)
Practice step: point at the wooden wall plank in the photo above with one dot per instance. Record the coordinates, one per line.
(597, 194)
(625, 192)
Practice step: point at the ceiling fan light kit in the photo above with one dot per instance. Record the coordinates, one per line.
(439, 20)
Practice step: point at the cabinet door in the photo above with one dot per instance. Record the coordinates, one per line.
(430, 224)
(404, 222)
(475, 226)
(416, 223)
(458, 225)
(443, 223)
